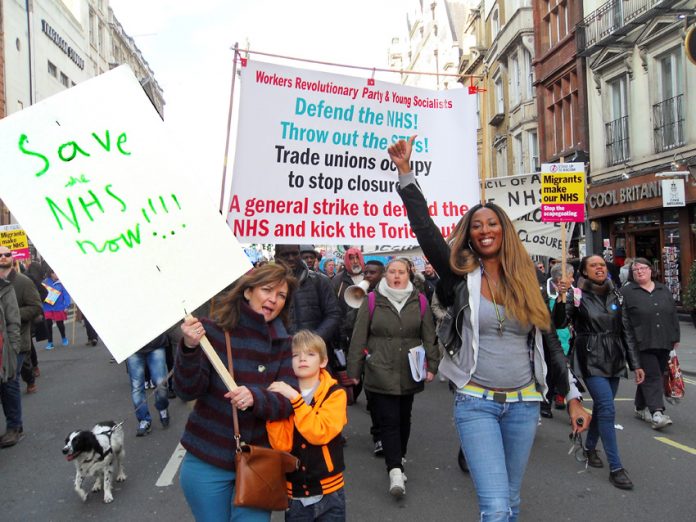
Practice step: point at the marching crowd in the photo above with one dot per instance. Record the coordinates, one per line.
(305, 335)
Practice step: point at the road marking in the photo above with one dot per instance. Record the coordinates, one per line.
(167, 476)
(689, 380)
(670, 442)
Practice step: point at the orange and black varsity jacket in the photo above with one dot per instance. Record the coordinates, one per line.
(313, 434)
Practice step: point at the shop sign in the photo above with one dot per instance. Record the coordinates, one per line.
(623, 195)
(64, 46)
(673, 194)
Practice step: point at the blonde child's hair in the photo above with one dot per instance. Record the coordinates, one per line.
(307, 341)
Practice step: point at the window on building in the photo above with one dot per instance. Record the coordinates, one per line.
(102, 39)
(478, 111)
(561, 106)
(517, 154)
(557, 19)
(515, 80)
(668, 113)
(64, 80)
(528, 75)
(501, 158)
(52, 69)
(499, 97)
(495, 24)
(93, 28)
(533, 145)
(616, 129)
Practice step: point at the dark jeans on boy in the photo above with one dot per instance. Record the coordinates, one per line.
(331, 508)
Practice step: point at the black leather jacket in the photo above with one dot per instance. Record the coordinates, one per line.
(599, 340)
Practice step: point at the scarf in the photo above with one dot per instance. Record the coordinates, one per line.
(396, 296)
(587, 285)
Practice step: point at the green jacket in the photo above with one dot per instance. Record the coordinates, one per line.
(29, 304)
(9, 329)
(387, 339)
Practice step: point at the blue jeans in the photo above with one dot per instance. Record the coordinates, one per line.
(331, 508)
(497, 440)
(209, 491)
(11, 396)
(603, 390)
(157, 364)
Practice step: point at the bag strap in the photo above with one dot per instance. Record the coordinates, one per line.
(423, 300)
(371, 300)
(235, 416)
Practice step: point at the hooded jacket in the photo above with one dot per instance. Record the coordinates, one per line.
(312, 434)
(10, 324)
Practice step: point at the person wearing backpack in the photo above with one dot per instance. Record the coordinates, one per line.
(379, 349)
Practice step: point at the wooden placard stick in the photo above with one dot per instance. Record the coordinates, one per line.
(564, 296)
(217, 363)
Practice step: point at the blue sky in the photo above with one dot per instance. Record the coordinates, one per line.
(187, 45)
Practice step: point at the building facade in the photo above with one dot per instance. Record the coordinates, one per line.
(432, 44)
(510, 113)
(560, 81)
(640, 90)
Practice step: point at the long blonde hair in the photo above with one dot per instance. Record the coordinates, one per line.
(519, 291)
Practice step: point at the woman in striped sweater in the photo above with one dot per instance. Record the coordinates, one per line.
(254, 314)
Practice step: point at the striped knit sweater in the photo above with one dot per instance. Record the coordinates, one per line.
(261, 354)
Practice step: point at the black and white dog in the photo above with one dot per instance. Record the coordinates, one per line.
(97, 453)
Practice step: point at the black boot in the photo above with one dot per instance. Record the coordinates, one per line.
(593, 459)
(619, 479)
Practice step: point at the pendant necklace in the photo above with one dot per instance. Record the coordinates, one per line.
(501, 320)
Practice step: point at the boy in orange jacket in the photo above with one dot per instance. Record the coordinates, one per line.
(312, 433)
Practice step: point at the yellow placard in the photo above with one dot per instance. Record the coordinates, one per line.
(14, 239)
(562, 187)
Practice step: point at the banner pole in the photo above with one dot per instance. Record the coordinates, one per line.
(484, 136)
(563, 297)
(229, 127)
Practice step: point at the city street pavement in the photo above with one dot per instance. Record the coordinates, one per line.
(79, 386)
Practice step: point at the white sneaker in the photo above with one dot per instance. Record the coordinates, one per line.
(660, 420)
(397, 488)
(643, 414)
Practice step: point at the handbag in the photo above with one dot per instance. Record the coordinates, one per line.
(673, 380)
(260, 472)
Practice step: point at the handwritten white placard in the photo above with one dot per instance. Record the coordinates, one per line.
(115, 208)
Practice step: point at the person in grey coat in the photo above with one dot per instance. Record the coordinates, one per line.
(380, 346)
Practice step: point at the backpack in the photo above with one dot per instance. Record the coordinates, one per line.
(372, 299)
